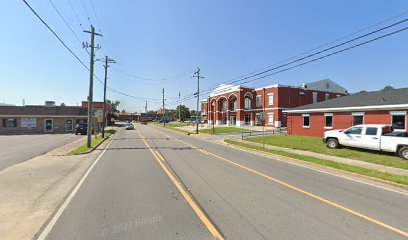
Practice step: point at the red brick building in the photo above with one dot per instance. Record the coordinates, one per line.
(380, 107)
(242, 105)
(48, 118)
(204, 110)
(40, 119)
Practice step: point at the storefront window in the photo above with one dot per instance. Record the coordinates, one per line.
(9, 122)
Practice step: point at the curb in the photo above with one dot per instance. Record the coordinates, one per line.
(318, 166)
(92, 149)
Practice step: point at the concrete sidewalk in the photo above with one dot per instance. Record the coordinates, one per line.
(30, 191)
(353, 162)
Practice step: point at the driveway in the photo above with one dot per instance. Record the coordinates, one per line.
(19, 148)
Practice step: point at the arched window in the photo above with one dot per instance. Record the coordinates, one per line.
(224, 105)
(233, 104)
(247, 103)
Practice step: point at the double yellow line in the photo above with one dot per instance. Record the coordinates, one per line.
(190, 201)
(372, 220)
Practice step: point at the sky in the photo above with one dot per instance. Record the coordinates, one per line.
(163, 42)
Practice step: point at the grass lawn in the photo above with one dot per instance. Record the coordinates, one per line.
(346, 167)
(95, 141)
(175, 124)
(224, 130)
(315, 144)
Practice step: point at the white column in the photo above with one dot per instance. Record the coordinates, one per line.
(217, 122)
(228, 122)
(240, 123)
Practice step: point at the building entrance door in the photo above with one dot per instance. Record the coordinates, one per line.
(247, 119)
(48, 125)
(68, 125)
(233, 120)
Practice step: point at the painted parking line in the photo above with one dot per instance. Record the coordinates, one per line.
(353, 212)
(159, 158)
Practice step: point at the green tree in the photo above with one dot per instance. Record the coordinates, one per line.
(388, 88)
(184, 113)
(113, 105)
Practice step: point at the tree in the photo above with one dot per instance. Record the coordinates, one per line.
(184, 113)
(362, 91)
(123, 111)
(113, 105)
(387, 88)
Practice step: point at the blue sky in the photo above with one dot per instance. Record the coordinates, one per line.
(169, 39)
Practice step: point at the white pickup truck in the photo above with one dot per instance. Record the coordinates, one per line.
(369, 136)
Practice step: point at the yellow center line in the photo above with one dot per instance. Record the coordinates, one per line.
(159, 158)
(353, 212)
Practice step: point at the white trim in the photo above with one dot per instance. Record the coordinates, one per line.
(273, 100)
(327, 115)
(399, 113)
(343, 109)
(231, 95)
(260, 109)
(252, 96)
(303, 120)
(405, 120)
(357, 113)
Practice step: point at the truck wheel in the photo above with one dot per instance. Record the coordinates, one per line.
(403, 153)
(332, 143)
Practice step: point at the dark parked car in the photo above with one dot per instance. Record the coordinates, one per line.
(81, 128)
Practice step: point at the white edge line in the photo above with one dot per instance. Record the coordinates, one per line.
(301, 165)
(55, 218)
(322, 171)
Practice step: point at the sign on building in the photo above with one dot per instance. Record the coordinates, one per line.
(99, 115)
(29, 122)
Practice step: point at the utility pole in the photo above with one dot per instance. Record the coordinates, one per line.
(146, 107)
(163, 111)
(179, 108)
(91, 74)
(107, 61)
(197, 75)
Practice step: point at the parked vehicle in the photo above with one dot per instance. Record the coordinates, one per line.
(143, 122)
(369, 136)
(81, 128)
(129, 127)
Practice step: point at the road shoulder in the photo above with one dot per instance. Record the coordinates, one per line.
(32, 190)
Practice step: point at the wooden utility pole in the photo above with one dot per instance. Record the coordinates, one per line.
(179, 108)
(197, 75)
(107, 61)
(163, 111)
(91, 74)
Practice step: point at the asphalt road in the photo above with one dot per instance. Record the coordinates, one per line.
(19, 148)
(129, 195)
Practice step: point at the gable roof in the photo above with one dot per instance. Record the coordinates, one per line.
(325, 85)
(385, 99)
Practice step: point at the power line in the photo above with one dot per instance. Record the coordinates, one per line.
(149, 79)
(76, 56)
(65, 21)
(312, 50)
(322, 57)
